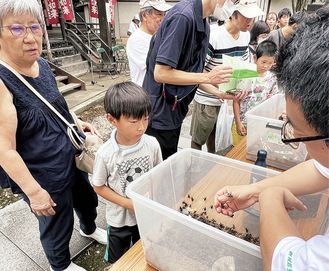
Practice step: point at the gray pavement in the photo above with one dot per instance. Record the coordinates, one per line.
(20, 248)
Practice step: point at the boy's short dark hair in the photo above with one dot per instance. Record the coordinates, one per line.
(266, 48)
(127, 99)
(259, 27)
(284, 11)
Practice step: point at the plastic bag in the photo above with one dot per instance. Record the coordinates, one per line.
(223, 136)
(241, 70)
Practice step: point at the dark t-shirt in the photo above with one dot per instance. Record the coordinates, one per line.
(277, 37)
(181, 43)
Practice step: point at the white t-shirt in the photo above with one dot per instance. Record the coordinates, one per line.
(296, 254)
(116, 166)
(137, 47)
(132, 27)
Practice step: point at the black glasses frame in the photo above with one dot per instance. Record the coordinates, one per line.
(298, 139)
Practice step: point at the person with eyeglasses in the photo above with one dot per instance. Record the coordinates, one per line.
(302, 70)
(37, 157)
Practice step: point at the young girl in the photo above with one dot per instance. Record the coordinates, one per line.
(272, 20)
(260, 88)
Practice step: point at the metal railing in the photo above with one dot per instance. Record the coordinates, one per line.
(86, 39)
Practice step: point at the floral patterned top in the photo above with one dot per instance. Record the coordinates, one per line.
(261, 89)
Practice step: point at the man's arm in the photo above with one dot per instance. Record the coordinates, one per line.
(274, 218)
(169, 75)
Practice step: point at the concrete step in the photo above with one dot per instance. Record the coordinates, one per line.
(63, 51)
(57, 43)
(71, 86)
(60, 78)
(77, 67)
(68, 59)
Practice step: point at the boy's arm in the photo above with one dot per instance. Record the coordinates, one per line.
(236, 111)
(108, 194)
(240, 129)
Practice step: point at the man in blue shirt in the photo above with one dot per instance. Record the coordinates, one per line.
(175, 68)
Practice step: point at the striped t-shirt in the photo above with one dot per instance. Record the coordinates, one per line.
(221, 42)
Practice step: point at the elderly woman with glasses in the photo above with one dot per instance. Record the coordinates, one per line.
(302, 70)
(36, 154)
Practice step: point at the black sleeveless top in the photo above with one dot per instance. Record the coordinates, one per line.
(41, 137)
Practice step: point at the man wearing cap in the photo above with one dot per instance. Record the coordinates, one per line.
(176, 68)
(151, 14)
(134, 25)
(231, 39)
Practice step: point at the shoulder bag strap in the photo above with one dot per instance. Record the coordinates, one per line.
(28, 85)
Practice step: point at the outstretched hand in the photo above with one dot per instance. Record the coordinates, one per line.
(241, 95)
(230, 199)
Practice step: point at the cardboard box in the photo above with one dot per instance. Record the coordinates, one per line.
(264, 132)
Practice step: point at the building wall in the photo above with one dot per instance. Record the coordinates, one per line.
(125, 11)
(277, 5)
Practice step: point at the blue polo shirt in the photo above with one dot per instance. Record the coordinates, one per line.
(181, 43)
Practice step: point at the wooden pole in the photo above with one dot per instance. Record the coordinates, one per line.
(105, 31)
(49, 53)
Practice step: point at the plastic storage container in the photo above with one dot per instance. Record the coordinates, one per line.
(264, 132)
(173, 241)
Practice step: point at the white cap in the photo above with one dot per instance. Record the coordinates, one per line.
(136, 17)
(160, 5)
(248, 8)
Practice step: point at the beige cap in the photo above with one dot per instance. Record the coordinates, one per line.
(160, 5)
(248, 8)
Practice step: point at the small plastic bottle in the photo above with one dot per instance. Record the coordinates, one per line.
(256, 174)
(261, 158)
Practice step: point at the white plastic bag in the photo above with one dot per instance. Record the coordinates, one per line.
(223, 137)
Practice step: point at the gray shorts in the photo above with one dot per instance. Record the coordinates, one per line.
(204, 118)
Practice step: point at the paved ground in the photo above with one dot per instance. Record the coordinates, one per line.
(20, 248)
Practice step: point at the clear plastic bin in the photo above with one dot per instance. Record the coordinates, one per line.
(264, 132)
(174, 241)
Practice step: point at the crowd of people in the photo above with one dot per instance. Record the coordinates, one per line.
(175, 57)
(180, 67)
